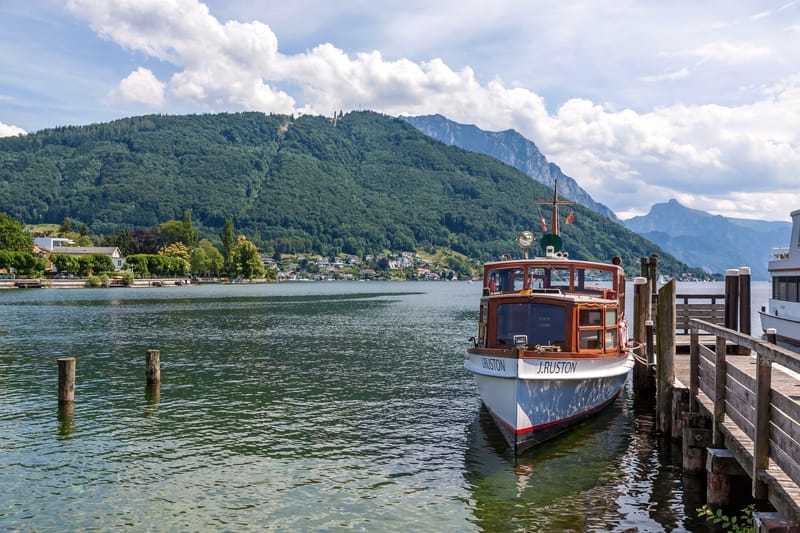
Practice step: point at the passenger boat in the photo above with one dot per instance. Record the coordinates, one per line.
(552, 345)
(783, 308)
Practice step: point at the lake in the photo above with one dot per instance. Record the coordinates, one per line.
(299, 406)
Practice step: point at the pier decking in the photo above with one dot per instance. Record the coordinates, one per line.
(752, 401)
(733, 400)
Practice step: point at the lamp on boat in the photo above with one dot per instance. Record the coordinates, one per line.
(525, 241)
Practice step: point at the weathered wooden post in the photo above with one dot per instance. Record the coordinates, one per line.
(66, 379)
(696, 436)
(152, 365)
(744, 300)
(731, 298)
(642, 380)
(761, 440)
(665, 352)
(719, 391)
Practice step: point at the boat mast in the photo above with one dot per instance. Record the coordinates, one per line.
(556, 202)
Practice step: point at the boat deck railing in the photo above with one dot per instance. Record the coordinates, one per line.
(779, 253)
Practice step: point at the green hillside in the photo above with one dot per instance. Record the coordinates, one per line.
(362, 183)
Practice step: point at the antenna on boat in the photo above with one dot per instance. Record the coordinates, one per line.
(553, 239)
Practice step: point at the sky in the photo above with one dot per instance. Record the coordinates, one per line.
(639, 101)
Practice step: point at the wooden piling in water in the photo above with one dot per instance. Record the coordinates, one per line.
(152, 366)
(66, 379)
(665, 353)
(642, 377)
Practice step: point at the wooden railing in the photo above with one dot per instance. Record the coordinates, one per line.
(754, 409)
(706, 307)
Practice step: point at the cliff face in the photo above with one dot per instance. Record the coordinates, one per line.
(511, 148)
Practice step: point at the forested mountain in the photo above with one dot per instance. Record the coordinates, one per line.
(712, 242)
(359, 183)
(511, 148)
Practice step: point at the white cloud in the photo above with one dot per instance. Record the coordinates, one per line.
(667, 76)
(728, 52)
(623, 158)
(7, 130)
(142, 86)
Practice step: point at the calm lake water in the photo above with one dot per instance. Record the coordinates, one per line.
(301, 407)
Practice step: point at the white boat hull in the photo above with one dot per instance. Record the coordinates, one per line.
(784, 317)
(532, 400)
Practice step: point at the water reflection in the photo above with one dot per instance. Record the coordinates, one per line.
(66, 419)
(611, 473)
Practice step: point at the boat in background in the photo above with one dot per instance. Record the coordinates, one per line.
(783, 307)
(552, 346)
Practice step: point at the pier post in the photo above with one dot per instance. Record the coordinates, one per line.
(744, 300)
(761, 440)
(724, 471)
(642, 378)
(732, 298)
(665, 353)
(66, 379)
(152, 365)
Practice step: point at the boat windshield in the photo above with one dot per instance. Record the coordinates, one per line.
(543, 324)
(564, 278)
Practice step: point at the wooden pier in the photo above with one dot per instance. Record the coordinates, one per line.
(751, 401)
(732, 400)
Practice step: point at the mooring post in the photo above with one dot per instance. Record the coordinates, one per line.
(744, 300)
(152, 366)
(66, 379)
(731, 298)
(772, 335)
(761, 440)
(642, 379)
(665, 353)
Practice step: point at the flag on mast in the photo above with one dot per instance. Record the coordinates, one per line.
(570, 218)
(544, 225)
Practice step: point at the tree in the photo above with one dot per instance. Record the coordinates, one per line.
(64, 263)
(228, 243)
(179, 251)
(145, 241)
(189, 233)
(206, 260)
(12, 235)
(171, 231)
(248, 261)
(66, 227)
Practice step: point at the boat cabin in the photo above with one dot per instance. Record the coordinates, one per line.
(553, 306)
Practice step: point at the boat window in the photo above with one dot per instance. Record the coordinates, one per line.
(786, 288)
(559, 277)
(591, 278)
(543, 324)
(611, 338)
(589, 339)
(597, 328)
(591, 317)
(506, 280)
(611, 317)
(536, 278)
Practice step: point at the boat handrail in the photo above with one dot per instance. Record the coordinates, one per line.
(779, 252)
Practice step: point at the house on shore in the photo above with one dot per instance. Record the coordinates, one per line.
(55, 245)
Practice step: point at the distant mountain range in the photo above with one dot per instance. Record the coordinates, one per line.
(699, 239)
(711, 242)
(511, 148)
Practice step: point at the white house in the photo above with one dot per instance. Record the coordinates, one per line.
(77, 251)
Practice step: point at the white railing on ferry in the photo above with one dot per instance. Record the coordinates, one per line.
(779, 252)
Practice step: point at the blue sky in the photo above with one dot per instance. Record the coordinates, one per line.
(639, 101)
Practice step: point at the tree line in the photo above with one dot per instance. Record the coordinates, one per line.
(171, 249)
